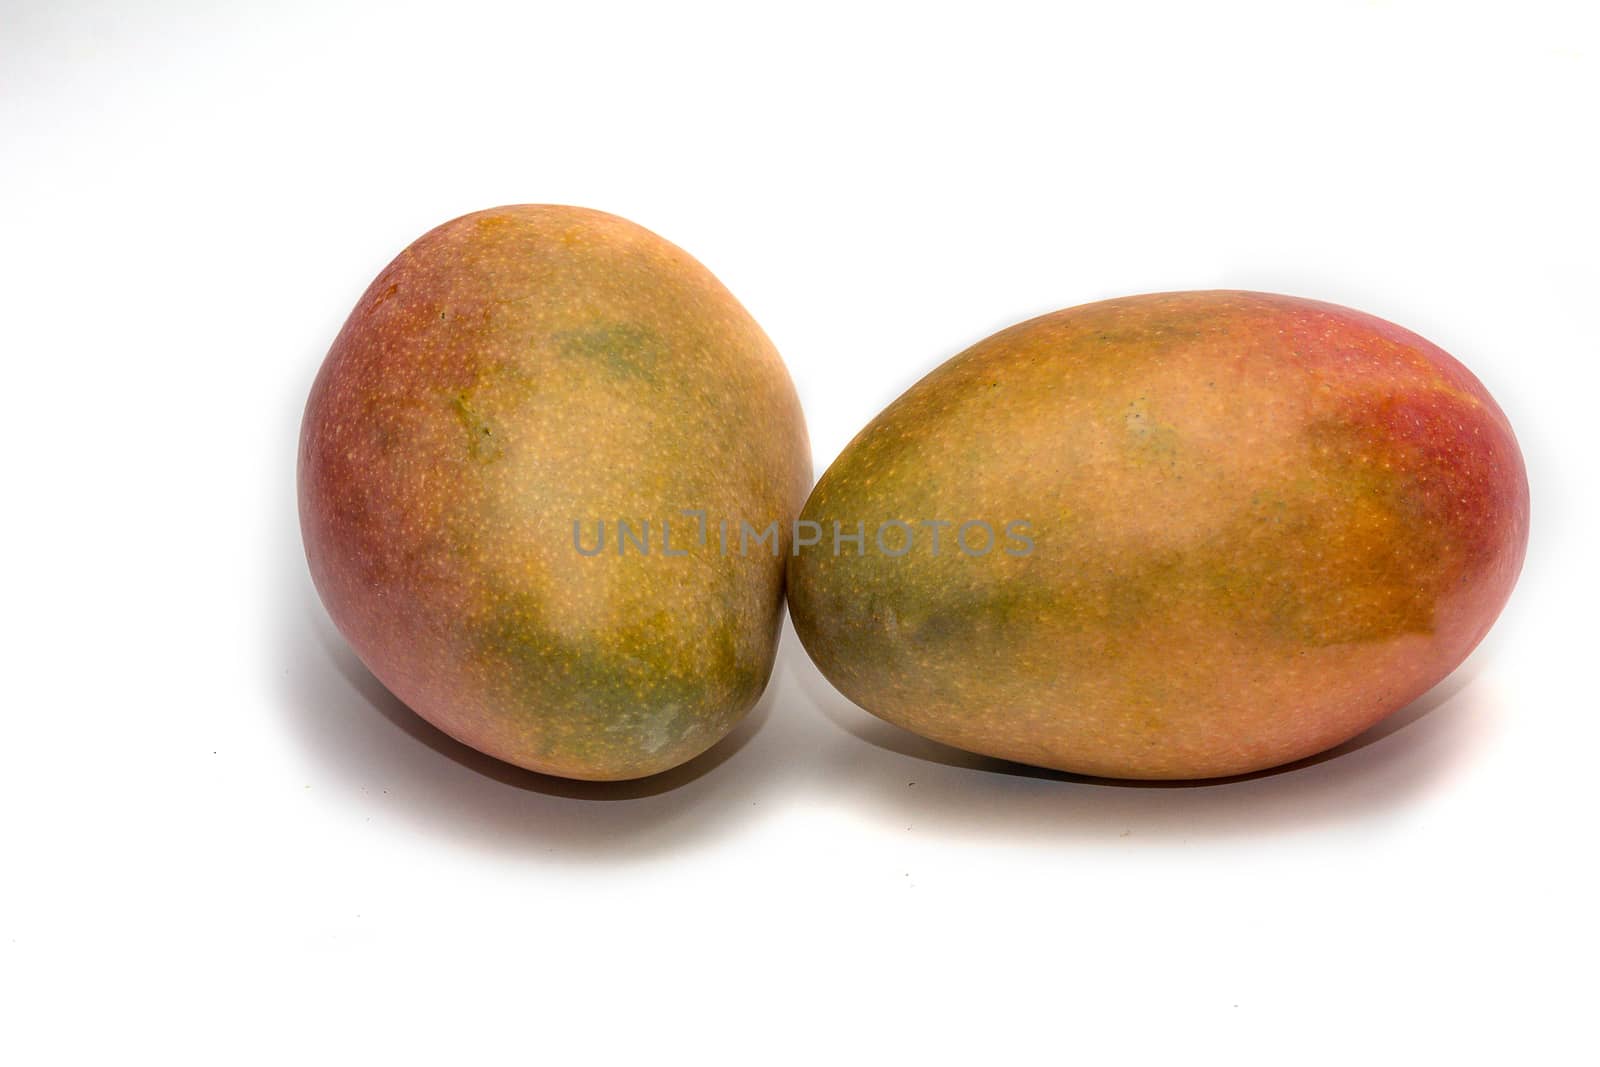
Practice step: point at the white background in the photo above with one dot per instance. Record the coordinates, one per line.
(223, 843)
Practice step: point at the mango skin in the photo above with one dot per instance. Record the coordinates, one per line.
(1260, 525)
(509, 373)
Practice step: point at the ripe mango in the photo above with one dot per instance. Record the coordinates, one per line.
(516, 376)
(1224, 530)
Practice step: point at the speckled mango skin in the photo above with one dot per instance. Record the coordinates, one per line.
(1260, 525)
(514, 371)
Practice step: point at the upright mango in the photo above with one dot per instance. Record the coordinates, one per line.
(506, 468)
(1184, 535)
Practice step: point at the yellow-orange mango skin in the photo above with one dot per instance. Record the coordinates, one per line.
(1259, 524)
(512, 372)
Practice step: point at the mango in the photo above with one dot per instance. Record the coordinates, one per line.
(1185, 535)
(508, 465)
